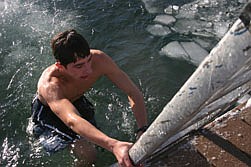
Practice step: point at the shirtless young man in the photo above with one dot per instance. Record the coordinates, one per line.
(63, 116)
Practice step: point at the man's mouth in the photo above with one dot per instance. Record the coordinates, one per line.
(84, 77)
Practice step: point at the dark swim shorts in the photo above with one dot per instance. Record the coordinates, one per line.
(52, 133)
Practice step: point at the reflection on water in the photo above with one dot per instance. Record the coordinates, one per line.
(117, 27)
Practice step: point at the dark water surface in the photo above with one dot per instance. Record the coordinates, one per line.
(118, 27)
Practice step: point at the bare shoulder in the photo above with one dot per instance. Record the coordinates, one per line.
(48, 84)
(102, 62)
(105, 63)
(99, 55)
(47, 76)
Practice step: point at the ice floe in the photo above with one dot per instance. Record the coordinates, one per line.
(189, 51)
(196, 53)
(174, 50)
(154, 6)
(171, 9)
(165, 19)
(158, 30)
(203, 22)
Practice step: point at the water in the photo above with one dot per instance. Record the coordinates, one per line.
(117, 27)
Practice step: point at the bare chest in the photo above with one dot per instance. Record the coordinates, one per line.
(74, 89)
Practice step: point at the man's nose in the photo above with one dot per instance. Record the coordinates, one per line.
(87, 69)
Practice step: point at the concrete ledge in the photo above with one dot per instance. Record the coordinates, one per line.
(226, 142)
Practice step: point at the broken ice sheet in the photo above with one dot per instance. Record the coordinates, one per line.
(174, 50)
(195, 52)
(158, 30)
(164, 19)
(189, 51)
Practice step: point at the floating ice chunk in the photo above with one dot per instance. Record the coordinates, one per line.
(195, 52)
(221, 28)
(205, 2)
(152, 6)
(187, 26)
(207, 44)
(158, 30)
(175, 7)
(188, 11)
(174, 50)
(171, 9)
(189, 51)
(164, 19)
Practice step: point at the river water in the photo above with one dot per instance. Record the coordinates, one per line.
(133, 33)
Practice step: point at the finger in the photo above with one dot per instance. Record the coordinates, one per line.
(140, 165)
(121, 164)
(127, 162)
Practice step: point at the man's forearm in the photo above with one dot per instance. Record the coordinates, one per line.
(118, 148)
(92, 134)
(139, 110)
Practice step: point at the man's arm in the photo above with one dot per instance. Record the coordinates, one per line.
(82, 127)
(121, 79)
(66, 111)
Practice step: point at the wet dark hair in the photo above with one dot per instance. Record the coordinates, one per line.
(68, 46)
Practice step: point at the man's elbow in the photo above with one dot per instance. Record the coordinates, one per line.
(138, 94)
(135, 96)
(71, 122)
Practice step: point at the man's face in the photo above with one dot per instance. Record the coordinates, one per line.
(81, 69)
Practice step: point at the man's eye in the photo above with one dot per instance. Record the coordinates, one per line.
(79, 66)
